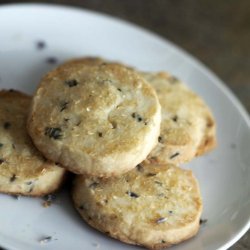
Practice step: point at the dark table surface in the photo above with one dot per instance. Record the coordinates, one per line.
(216, 32)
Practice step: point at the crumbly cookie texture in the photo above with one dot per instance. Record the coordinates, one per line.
(152, 205)
(95, 118)
(23, 170)
(187, 127)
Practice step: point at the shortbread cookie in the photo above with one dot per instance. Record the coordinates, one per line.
(95, 118)
(187, 127)
(23, 170)
(152, 205)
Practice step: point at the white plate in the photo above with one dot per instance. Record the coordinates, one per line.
(224, 174)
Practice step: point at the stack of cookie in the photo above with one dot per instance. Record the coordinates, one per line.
(124, 134)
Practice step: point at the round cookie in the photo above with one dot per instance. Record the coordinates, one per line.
(99, 119)
(23, 170)
(152, 205)
(187, 127)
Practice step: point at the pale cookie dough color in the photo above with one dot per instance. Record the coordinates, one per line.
(95, 118)
(23, 170)
(152, 205)
(188, 126)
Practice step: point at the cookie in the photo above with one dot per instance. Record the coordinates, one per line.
(154, 206)
(187, 127)
(23, 170)
(98, 118)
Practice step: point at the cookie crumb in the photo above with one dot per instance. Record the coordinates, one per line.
(96, 245)
(17, 197)
(203, 221)
(40, 45)
(46, 204)
(51, 60)
(48, 200)
(46, 239)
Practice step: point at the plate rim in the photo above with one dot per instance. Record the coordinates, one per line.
(192, 60)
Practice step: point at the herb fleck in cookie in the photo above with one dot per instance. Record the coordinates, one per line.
(23, 170)
(187, 127)
(152, 205)
(95, 118)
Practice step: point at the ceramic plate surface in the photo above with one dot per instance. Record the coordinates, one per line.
(34, 38)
